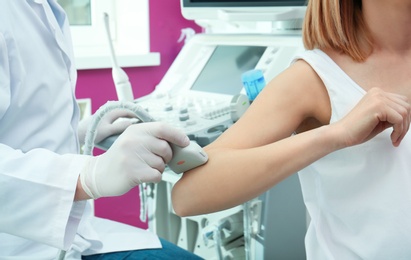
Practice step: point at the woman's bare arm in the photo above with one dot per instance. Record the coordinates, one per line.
(249, 158)
(258, 151)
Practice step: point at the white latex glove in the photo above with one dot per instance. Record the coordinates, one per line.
(139, 154)
(109, 125)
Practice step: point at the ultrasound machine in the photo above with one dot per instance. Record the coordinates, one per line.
(202, 93)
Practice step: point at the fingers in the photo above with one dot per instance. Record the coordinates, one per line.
(400, 120)
(376, 111)
(119, 126)
(160, 149)
(149, 175)
(147, 141)
(168, 133)
(114, 122)
(153, 161)
(397, 115)
(115, 114)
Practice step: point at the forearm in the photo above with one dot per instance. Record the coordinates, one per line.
(233, 176)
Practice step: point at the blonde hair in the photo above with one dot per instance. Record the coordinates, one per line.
(337, 24)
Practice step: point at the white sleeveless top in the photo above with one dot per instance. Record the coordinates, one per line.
(358, 198)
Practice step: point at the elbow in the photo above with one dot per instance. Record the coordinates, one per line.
(179, 206)
(179, 210)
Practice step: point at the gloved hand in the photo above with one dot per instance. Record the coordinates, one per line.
(139, 155)
(109, 125)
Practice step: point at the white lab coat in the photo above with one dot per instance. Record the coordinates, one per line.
(39, 164)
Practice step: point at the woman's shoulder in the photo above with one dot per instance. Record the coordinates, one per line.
(304, 92)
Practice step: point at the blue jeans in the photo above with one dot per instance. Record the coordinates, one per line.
(169, 251)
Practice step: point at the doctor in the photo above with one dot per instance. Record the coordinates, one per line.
(44, 183)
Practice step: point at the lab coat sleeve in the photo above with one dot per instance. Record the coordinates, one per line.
(4, 76)
(37, 192)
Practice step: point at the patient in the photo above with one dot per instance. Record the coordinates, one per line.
(339, 116)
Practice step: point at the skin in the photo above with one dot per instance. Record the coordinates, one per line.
(80, 193)
(258, 151)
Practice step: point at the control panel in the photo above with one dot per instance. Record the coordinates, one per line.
(203, 116)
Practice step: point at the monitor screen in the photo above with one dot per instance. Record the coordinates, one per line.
(239, 3)
(222, 72)
(238, 10)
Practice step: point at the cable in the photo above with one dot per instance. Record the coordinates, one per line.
(138, 111)
(247, 226)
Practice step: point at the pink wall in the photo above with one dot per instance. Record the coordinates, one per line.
(166, 23)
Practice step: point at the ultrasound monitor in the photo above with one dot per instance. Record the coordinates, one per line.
(243, 10)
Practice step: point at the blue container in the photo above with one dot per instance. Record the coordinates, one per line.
(253, 82)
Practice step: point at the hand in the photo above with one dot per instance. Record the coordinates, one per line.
(109, 125)
(139, 154)
(376, 111)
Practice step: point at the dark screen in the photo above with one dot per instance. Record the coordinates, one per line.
(240, 3)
